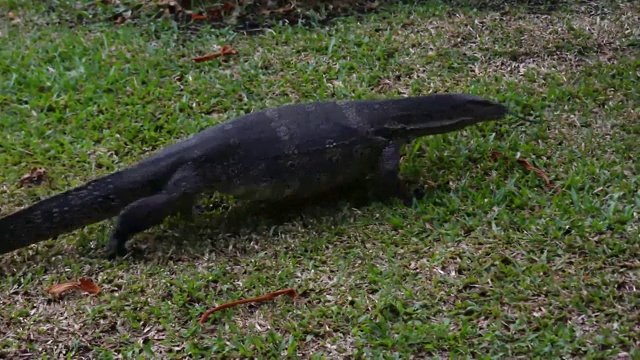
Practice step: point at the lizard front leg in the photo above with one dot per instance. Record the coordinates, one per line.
(386, 183)
(178, 196)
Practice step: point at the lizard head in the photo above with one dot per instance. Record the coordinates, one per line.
(440, 113)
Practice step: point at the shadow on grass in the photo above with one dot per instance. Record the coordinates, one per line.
(220, 222)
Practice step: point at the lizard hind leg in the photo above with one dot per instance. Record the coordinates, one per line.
(177, 197)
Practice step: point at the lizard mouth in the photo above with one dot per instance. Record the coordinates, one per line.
(430, 125)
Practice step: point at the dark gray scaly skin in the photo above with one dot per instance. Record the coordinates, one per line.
(290, 152)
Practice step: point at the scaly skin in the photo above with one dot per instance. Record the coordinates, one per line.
(294, 151)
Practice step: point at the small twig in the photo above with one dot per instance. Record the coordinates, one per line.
(289, 292)
(496, 155)
(226, 50)
(277, 11)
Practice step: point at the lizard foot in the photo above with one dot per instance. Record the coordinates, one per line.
(417, 194)
(115, 248)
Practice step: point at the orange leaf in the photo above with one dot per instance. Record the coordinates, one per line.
(199, 17)
(222, 9)
(88, 286)
(85, 284)
(58, 289)
(227, 49)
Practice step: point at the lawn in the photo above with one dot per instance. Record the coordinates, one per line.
(490, 264)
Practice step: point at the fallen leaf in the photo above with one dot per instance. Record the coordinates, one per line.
(14, 18)
(34, 177)
(84, 284)
(226, 50)
(218, 11)
(279, 11)
(123, 17)
(171, 5)
(88, 286)
(631, 265)
(58, 289)
(199, 17)
(289, 292)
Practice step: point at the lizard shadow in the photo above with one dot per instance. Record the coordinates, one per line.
(221, 222)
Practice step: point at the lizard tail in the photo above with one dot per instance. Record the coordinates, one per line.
(92, 202)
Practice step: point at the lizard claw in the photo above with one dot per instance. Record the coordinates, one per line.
(115, 248)
(417, 194)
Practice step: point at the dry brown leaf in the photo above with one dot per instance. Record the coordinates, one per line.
(14, 19)
(89, 286)
(631, 265)
(170, 4)
(58, 289)
(225, 9)
(84, 284)
(34, 177)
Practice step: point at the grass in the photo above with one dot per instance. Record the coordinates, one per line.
(489, 264)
